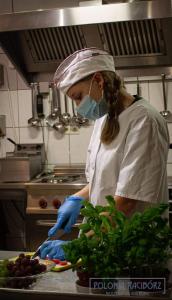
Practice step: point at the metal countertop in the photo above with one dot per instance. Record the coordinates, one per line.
(37, 185)
(51, 186)
(59, 285)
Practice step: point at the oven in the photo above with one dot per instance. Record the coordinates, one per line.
(12, 219)
(44, 197)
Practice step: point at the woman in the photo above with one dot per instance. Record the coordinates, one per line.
(127, 154)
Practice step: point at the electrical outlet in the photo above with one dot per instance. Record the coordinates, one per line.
(72, 130)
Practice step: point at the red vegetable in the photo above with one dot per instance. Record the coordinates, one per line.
(63, 263)
(56, 261)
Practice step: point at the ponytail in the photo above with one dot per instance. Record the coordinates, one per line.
(112, 90)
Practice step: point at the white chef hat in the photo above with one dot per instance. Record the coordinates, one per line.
(80, 64)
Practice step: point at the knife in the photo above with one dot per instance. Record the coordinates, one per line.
(37, 250)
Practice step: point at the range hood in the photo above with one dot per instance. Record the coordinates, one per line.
(137, 34)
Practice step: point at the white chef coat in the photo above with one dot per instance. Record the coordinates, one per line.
(133, 165)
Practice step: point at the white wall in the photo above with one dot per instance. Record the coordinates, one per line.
(15, 103)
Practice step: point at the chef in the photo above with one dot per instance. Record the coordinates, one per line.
(127, 154)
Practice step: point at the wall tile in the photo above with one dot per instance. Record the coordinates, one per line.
(169, 95)
(170, 156)
(155, 95)
(79, 144)
(25, 107)
(169, 169)
(12, 80)
(131, 88)
(57, 147)
(2, 147)
(30, 135)
(12, 133)
(9, 107)
(144, 90)
(170, 131)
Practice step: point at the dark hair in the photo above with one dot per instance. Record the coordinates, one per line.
(112, 91)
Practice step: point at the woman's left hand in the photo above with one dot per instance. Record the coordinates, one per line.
(53, 249)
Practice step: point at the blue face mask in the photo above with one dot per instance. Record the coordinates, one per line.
(91, 109)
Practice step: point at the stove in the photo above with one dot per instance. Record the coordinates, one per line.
(45, 195)
(57, 179)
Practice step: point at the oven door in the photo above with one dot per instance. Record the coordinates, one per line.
(38, 225)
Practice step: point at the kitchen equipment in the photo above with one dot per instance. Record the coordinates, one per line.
(165, 113)
(50, 120)
(39, 104)
(12, 218)
(45, 195)
(59, 125)
(23, 164)
(136, 33)
(34, 120)
(66, 116)
(75, 120)
(2, 125)
(83, 121)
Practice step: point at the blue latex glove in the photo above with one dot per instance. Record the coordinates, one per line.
(53, 249)
(67, 214)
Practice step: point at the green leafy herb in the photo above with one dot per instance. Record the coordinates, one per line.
(144, 239)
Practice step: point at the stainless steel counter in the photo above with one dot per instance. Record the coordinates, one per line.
(36, 185)
(59, 285)
(51, 186)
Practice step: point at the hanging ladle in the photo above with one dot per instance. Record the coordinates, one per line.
(83, 121)
(66, 116)
(165, 113)
(53, 102)
(34, 120)
(75, 120)
(59, 126)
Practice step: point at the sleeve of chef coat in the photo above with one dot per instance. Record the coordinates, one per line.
(144, 161)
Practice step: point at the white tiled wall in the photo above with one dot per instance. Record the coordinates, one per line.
(71, 148)
(67, 149)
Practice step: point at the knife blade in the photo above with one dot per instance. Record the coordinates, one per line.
(37, 250)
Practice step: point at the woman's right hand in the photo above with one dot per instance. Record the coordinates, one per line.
(67, 214)
(52, 249)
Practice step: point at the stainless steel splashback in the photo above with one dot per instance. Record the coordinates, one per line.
(137, 34)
